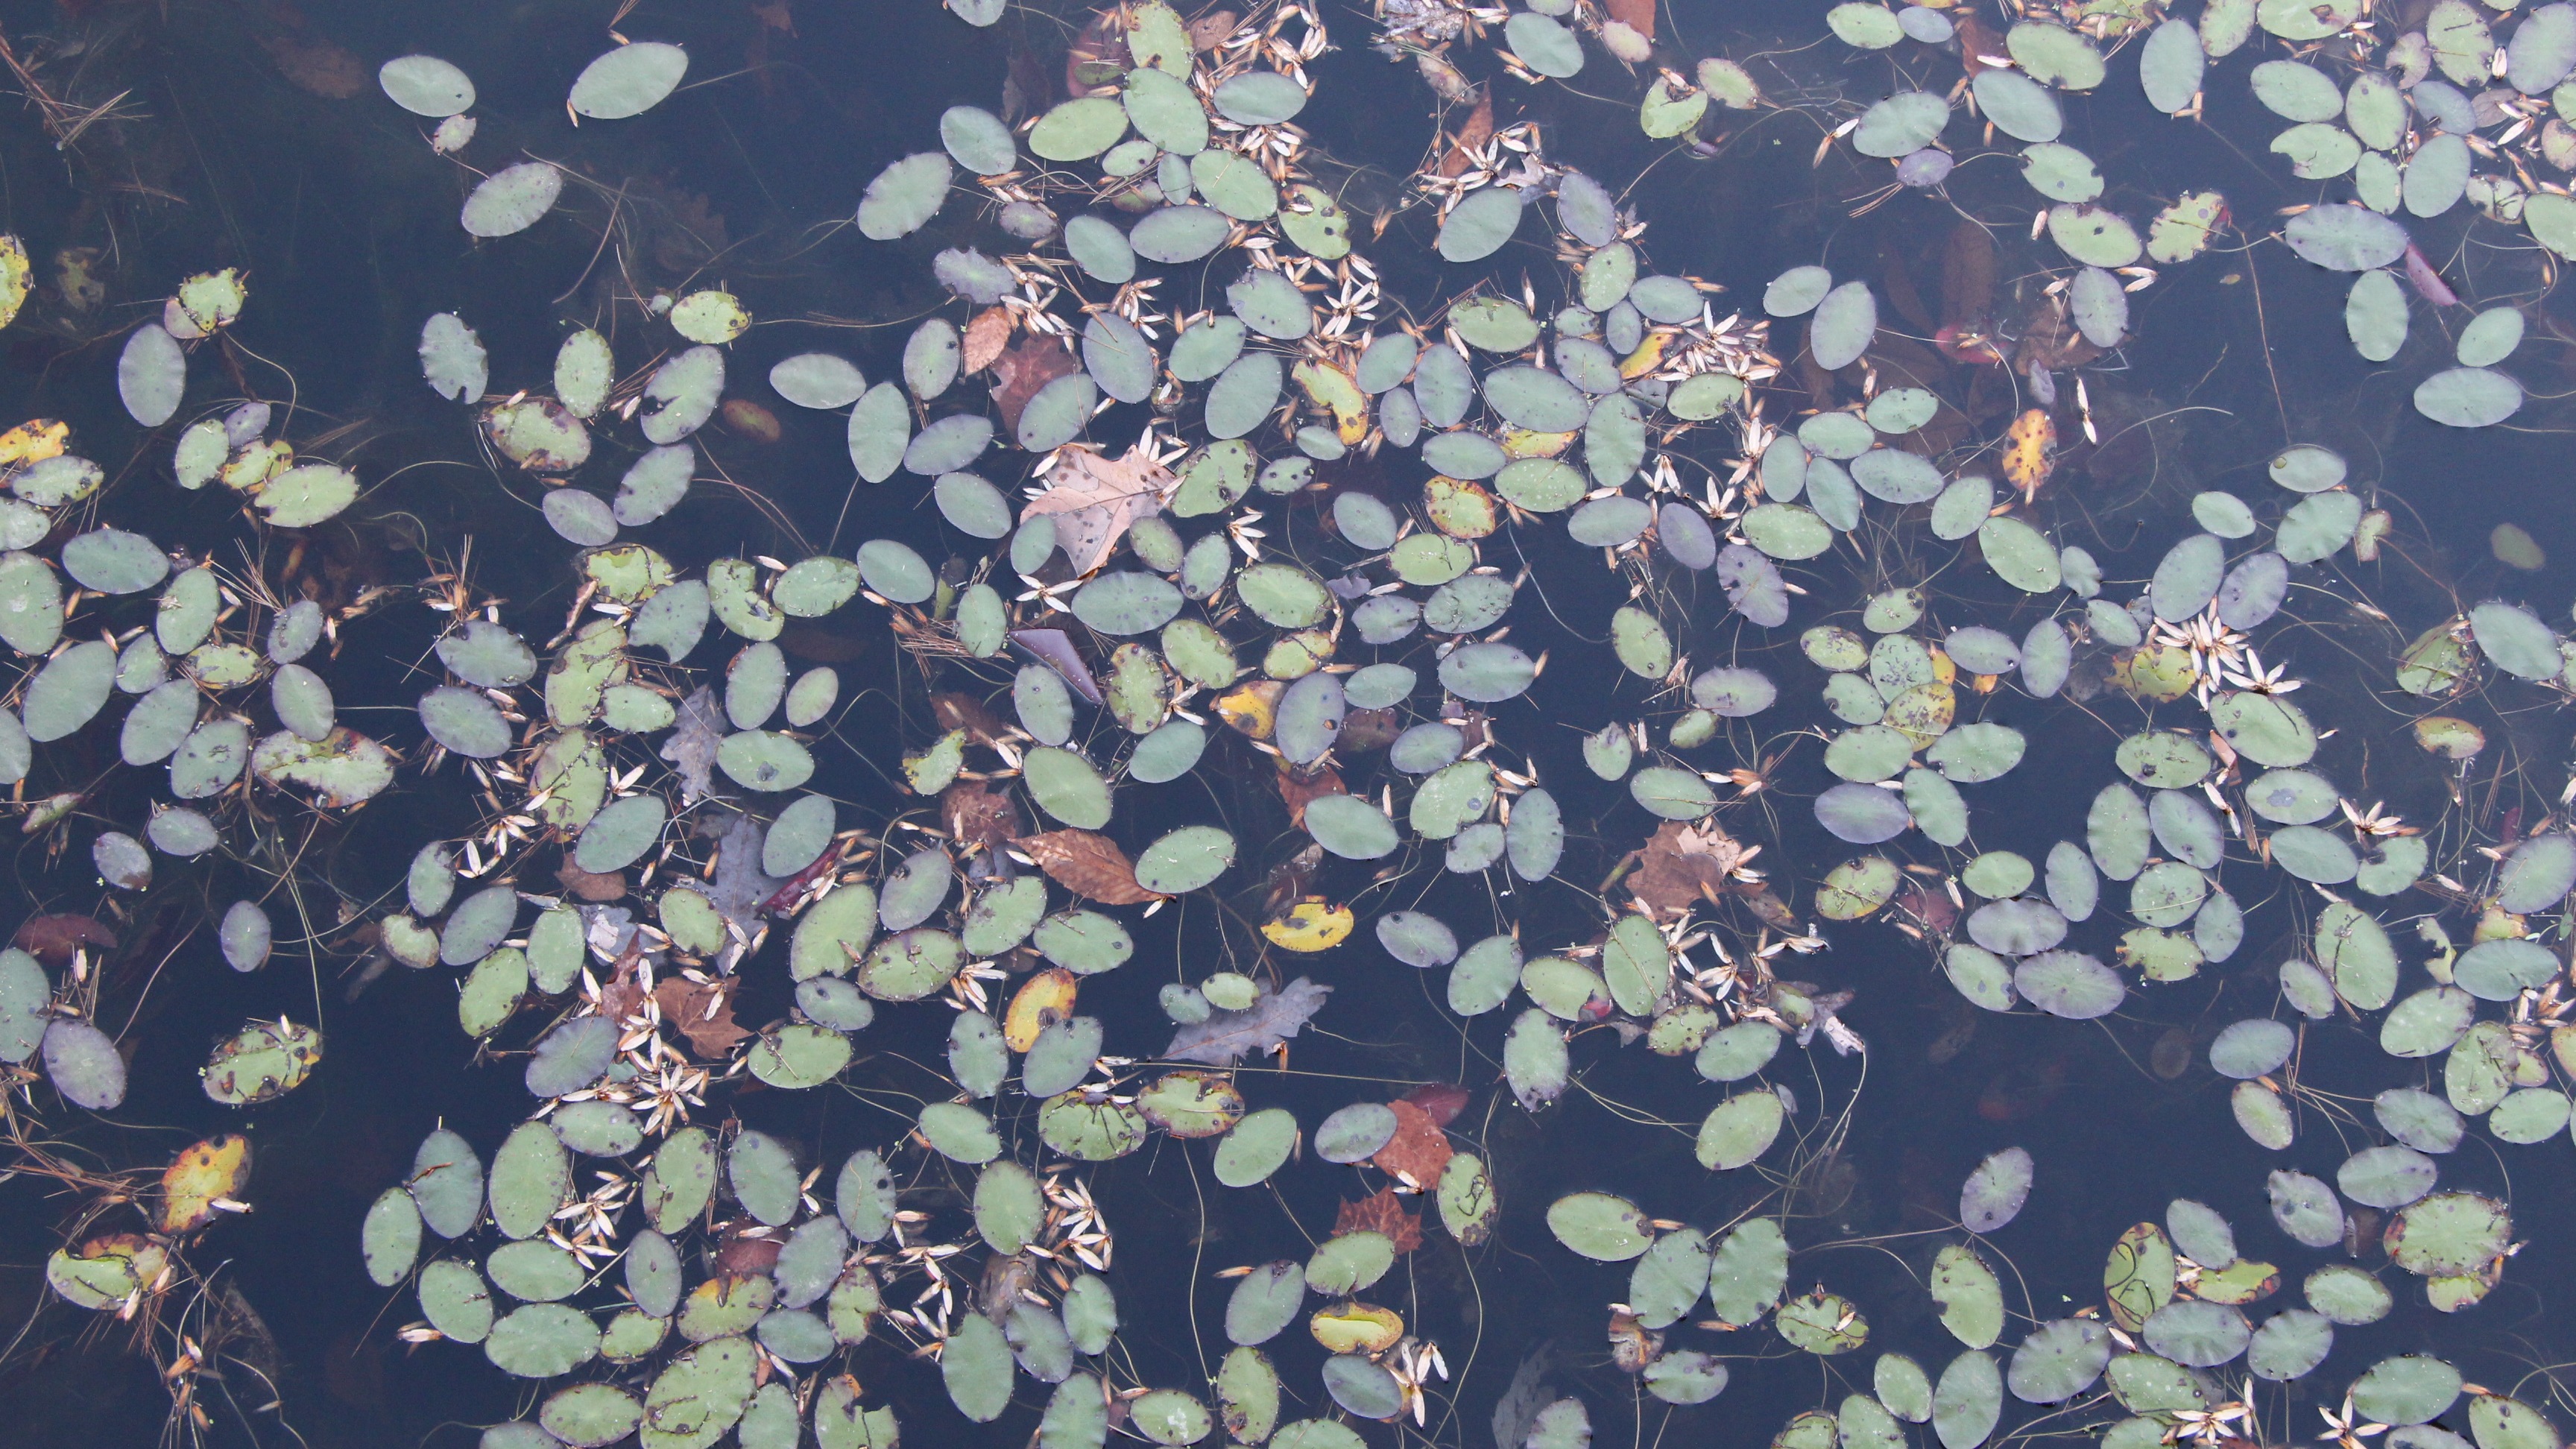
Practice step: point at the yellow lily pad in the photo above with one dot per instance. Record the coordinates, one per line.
(190, 1186)
(1310, 925)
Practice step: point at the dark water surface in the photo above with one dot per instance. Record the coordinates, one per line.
(228, 150)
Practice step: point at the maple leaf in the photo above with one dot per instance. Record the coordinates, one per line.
(1020, 372)
(1418, 1151)
(702, 1013)
(986, 336)
(1381, 1212)
(1087, 864)
(1095, 499)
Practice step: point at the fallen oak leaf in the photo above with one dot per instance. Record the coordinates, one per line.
(1095, 499)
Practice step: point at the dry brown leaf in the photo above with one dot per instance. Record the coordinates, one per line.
(1364, 730)
(623, 995)
(1020, 372)
(1442, 1100)
(1418, 1151)
(1767, 904)
(1682, 864)
(986, 336)
(596, 889)
(1381, 1212)
(1296, 787)
(965, 712)
(702, 1013)
(317, 65)
(1210, 30)
(1476, 132)
(1098, 56)
(1087, 864)
(1095, 499)
(974, 813)
(52, 939)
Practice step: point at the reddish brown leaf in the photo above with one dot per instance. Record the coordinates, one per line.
(1682, 864)
(1087, 865)
(317, 65)
(1098, 56)
(986, 336)
(977, 814)
(1931, 907)
(966, 712)
(52, 939)
(1637, 15)
(1766, 903)
(1418, 1150)
(596, 889)
(1476, 132)
(1443, 1100)
(1210, 30)
(1296, 787)
(623, 995)
(746, 1257)
(703, 1014)
(1382, 1212)
(1364, 730)
(1020, 372)
(1977, 41)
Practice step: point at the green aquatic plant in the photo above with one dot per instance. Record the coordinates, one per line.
(1230, 681)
